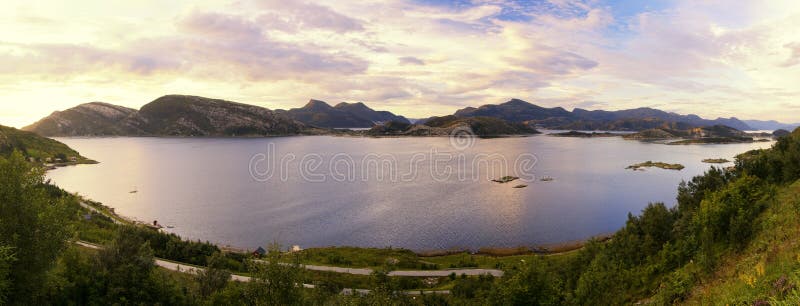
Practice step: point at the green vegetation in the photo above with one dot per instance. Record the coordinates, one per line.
(716, 161)
(352, 257)
(33, 228)
(36, 147)
(454, 126)
(661, 165)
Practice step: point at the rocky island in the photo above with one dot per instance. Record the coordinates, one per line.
(717, 134)
(662, 165)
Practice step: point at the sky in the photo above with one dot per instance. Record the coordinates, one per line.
(417, 58)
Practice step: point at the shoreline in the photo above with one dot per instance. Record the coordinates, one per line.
(548, 249)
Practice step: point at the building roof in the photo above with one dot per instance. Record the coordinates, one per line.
(261, 251)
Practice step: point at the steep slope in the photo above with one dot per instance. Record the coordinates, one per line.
(321, 114)
(34, 146)
(362, 110)
(90, 119)
(198, 116)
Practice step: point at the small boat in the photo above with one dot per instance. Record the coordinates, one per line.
(170, 226)
(135, 190)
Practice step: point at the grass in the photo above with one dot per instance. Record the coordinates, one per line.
(662, 165)
(402, 259)
(768, 269)
(353, 257)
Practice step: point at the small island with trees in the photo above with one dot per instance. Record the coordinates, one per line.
(662, 165)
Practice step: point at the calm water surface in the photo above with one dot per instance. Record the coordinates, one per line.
(204, 188)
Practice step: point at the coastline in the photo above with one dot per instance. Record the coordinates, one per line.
(549, 249)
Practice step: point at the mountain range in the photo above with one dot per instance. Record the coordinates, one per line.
(517, 110)
(183, 115)
(771, 125)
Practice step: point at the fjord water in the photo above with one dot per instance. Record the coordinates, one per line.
(204, 188)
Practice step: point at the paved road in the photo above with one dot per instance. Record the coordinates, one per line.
(91, 208)
(174, 266)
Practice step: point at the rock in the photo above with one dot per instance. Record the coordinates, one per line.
(505, 179)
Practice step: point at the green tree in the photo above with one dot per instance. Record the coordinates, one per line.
(214, 278)
(532, 284)
(274, 282)
(6, 258)
(32, 223)
(126, 266)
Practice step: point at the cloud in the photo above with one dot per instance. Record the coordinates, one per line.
(706, 57)
(410, 60)
(794, 58)
(208, 45)
(291, 16)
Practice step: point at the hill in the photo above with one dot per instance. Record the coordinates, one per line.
(699, 135)
(36, 147)
(514, 110)
(362, 110)
(197, 116)
(90, 119)
(171, 115)
(637, 119)
(452, 125)
(344, 115)
(320, 114)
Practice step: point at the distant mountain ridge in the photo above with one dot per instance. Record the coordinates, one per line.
(771, 125)
(517, 110)
(344, 115)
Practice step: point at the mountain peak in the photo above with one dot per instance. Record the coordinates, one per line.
(515, 101)
(358, 105)
(317, 105)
